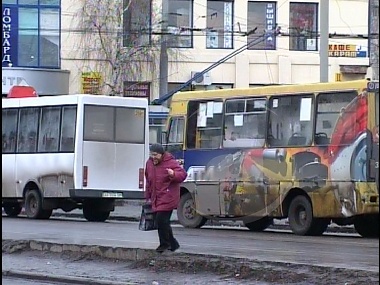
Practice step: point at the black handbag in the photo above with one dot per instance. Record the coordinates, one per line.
(147, 219)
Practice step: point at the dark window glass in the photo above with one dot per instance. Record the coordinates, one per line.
(69, 115)
(99, 123)
(27, 130)
(48, 137)
(9, 128)
(130, 125)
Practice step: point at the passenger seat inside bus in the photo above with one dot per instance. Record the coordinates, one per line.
(296, 140)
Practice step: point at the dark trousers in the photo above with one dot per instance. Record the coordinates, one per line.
(165, 232)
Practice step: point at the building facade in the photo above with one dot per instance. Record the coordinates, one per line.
(43, 44)
(31, 46)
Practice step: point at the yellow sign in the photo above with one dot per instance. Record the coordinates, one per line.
(338, 77)
(91, 83)
(342, 51)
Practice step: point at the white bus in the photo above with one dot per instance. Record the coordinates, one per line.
(72, 151)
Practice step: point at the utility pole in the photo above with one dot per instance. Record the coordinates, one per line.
(324, 41)
(373, 16)
(163, 89)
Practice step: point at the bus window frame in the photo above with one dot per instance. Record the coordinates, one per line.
(114, 122)
(245, 112)
(20, 109)
(285, 144)
(221, 133)
(17, 109)
(176, 145)
(42, 108)
(317, 112)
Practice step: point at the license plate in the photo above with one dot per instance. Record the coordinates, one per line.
(112, 195)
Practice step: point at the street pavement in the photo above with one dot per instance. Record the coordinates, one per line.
(350, 252)
(130, 210)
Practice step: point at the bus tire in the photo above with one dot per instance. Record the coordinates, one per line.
(12, 209)
(301, 219)
(33, 205)
(92, 214)
(187, 214)
(367, 226)
(260, 224)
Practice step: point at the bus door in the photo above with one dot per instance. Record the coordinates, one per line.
(114, 148)
(373, 89)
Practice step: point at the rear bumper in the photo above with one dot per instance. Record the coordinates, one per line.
(106, 194)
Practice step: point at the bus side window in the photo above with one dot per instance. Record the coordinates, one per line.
(175, 135)
(9, 127)
(69, 114)
(329, 108)
(244, 121)
(27, 131)
(291, 120)
(48, 137)
(204, 127)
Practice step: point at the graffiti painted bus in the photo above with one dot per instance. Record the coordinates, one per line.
(306, 152)
(72, 151)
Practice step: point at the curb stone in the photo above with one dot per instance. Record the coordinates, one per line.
(141, 254)
(59, 278)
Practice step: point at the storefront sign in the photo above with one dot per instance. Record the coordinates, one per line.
(270, 25)
(9, 38)
(44, 81)
(347, 51)
(91, 83)
(373, 86)
(136, 89)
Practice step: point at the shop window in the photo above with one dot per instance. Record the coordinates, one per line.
(38, 34)
(219, 33)
(303, 28)
(137, 22)
(180, 23)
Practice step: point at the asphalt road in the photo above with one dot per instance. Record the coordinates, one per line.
(350, 252)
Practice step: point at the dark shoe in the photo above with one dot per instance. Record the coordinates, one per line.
(174, 247)
(162, 248)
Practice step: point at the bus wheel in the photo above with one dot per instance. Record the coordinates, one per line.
(92, 214)
(301, 219)
(260, 224)
(187, 214)
(33, 206)
(12, 209)
(367, 226)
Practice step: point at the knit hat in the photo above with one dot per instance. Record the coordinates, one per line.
(158, 148)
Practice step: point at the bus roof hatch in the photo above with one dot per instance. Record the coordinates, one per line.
(22, 92)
